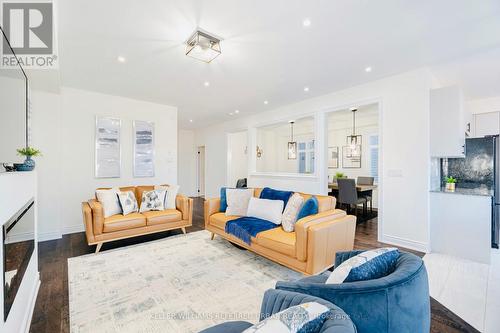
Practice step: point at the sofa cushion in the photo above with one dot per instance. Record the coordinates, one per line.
(162, 216)
(219, 220)
(109, 201)
(120, 222)
(310, 207)
(325, 202)
(278, 240)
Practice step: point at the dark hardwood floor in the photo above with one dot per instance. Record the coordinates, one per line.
(51, 314)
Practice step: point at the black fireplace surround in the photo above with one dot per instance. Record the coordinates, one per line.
(18, 247)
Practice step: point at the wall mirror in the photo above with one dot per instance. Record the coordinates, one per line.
(286, 147)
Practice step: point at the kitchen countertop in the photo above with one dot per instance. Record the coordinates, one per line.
(479, 191)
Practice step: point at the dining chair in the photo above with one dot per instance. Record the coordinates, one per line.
(241, 183)
(348, 195)
(367, 194)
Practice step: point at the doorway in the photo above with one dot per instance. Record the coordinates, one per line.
(353, 152)
(237, 157)
(200, 171)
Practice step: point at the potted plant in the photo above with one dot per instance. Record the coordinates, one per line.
(339, 175)
(450, 183)
(29, 163)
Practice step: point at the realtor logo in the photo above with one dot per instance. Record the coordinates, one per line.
(29, 27)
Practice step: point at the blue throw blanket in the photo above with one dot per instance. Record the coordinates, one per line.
(245, 228)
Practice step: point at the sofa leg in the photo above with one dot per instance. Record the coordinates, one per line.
(98, 247)
(183, 230)
(213, 236)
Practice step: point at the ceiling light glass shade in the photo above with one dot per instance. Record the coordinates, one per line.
(203, 47)
(292, 150)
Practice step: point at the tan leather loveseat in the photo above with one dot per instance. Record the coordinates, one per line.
(100, 230)
(310, 249)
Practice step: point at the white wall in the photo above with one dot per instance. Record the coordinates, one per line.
(63, 128)
(483, 105)
(237, 158)
(186, 164)
(404, 171)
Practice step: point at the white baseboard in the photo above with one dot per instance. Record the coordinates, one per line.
(19, 237)
(71, 229)
(31, 307)
(404, 242)
(49, 235)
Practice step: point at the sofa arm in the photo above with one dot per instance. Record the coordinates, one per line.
(325, 239)
(97, 216)
(87, 222)
(211, 207)
(185, 206)
(302, 226)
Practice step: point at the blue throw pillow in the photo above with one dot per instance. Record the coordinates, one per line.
(271, 194)
(367, 265)
(310, 207)
(223, 199)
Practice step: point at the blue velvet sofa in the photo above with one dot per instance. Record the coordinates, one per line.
(396, 303)
(278, 300)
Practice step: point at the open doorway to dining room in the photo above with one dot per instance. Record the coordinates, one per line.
(353, 159)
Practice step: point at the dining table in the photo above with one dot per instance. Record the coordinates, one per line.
(359, 188)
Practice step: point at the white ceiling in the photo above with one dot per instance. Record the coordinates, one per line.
(267, 53)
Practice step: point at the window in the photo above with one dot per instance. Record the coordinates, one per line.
(373, 146)
(306, 157)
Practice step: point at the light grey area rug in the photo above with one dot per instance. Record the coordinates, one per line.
(179, 284)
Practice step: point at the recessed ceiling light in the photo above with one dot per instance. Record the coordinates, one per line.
(266, 102)
(230, 113)
(121, 59)
(190, 120)
(306, 89)
(368, 69)
(306, 22)
(236, 111)
(206, 84)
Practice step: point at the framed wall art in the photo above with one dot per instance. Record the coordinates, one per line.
(144, 149)
(107, 147)
(333, 157)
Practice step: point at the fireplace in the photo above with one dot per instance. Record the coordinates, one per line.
(18, 247)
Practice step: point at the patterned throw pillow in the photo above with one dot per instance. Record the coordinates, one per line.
(303, 318)
(367, 265)
(237, 201)
(128, 202)
(170, 196)
(291, 212)
(153, 200)
(109, 201)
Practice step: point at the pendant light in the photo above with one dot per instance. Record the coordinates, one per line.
(292, 145)
(353, 140)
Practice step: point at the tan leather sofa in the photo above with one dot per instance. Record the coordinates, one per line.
(310, 249)
(100, 230)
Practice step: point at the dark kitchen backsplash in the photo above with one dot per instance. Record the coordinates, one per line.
(476, 169)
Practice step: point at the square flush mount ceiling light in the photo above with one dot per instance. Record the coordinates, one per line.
(203, 46)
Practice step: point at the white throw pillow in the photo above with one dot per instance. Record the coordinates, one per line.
(152, 200)
(269, 210)
(109, 201)
(128, 202)
(291, 212)
(237, 201)
(291, 320)
(171, 195)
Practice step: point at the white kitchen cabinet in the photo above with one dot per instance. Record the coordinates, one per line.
(486, 124)
(447, 122)
(461, 225)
